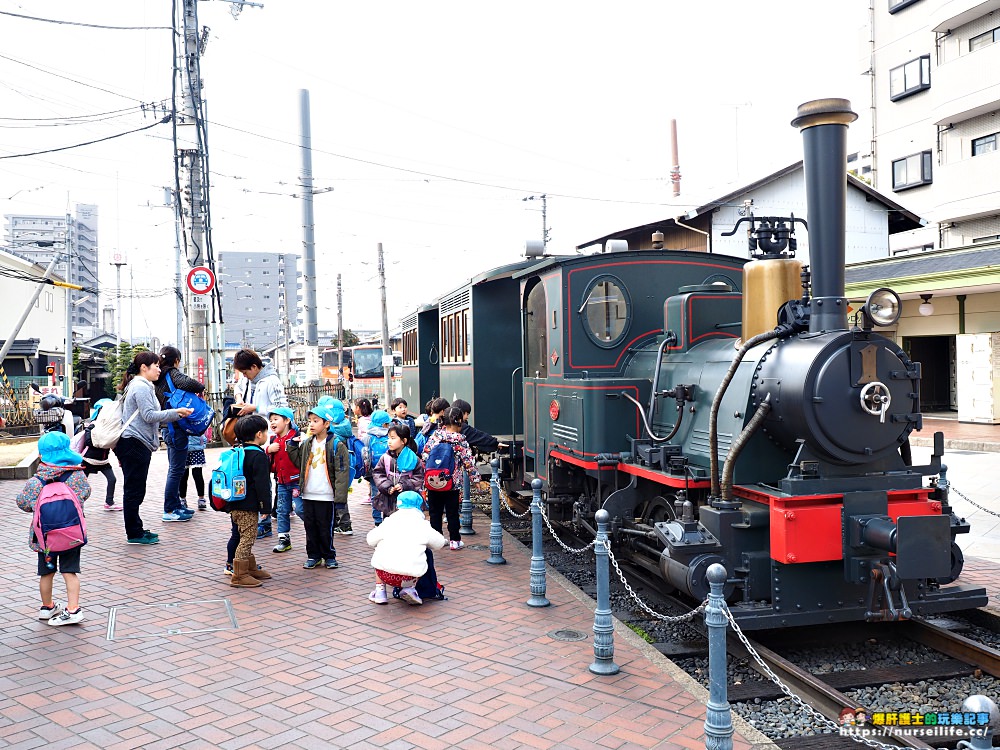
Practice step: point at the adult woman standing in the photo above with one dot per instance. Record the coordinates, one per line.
(142, 416)
(176, 439)
(262, 390)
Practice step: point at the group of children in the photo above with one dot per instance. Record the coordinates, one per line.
(312, 474)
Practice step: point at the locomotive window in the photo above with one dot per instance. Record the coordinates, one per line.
(606, 311)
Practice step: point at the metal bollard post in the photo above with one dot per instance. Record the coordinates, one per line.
(980, 704)
(496, 530)
(718, 717)
(537, 558)
(604, 628)
(465, 517)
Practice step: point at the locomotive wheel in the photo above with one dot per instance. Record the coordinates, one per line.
(957, 563)
(658, 509)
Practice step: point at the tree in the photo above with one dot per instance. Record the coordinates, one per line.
(77, 373)
(350, 338)
(118, 361)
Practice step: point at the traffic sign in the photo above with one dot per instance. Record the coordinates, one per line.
(199, 302)
(201, 280)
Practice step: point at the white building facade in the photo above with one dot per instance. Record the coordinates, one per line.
(936, 117)
(259, 292)
(39, 237)
(42, 338)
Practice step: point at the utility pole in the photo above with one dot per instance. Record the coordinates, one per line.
(545, 226)
(386, 349)
(340, 331)
(118, 260)
(309, 245)
(189, 153)
(174, 201)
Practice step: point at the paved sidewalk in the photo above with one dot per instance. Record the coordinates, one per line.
(310, 662)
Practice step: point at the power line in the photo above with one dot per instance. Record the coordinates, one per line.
(88, 25)
(166, 119)
(67, 78)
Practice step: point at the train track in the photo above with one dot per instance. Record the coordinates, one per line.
(824, 692)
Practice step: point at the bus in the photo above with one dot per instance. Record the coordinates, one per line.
(364, 362)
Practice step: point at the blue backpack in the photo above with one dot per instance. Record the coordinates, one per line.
(357, 450)
(439, 468)
(229, 483)
(200, 418)
(377, 446)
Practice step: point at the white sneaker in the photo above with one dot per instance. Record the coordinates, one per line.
(457, 545)
(45, 614)
(67, 618)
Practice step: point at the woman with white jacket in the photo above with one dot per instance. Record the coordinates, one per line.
(400, 542)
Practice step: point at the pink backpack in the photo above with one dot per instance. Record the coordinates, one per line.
(58, 522)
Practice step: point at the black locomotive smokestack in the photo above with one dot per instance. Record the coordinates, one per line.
(823, 123)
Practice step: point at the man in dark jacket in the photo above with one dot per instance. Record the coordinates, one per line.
(480, 441)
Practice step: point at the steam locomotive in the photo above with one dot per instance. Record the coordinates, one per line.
(722, 410)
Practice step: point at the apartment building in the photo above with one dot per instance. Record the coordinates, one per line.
(935, 123)
(255, 287)
(40, 237)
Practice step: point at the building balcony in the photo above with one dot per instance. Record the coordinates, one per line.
(967, 187)
(951, 14)
(967, 87)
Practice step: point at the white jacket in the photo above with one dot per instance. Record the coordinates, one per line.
(400, 541)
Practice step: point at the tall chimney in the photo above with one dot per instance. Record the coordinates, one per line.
(675, 167)
(823, 123)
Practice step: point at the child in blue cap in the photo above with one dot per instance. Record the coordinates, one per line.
(400, 543)
(286, 474)
(57, 460)
(324, 478)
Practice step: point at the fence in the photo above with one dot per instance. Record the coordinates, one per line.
(301, 398)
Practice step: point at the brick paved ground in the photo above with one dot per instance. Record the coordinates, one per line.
(312, 663)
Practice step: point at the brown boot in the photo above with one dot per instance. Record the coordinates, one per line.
(259, 573)
(241, 575)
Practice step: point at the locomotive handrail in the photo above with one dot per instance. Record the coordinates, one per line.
(669, 338)
(713, 418)
(649, 428)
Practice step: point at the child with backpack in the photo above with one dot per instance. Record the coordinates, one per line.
(435, 408)
(400, 556)
(55, 496)
(324, 478)
(446, 456)
(342, 430)
(377, 443)
(286, 474)
(97, 460)
(251, 496)
(399, 410)
(399, 470)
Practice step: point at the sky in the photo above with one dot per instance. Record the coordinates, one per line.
(431, 122)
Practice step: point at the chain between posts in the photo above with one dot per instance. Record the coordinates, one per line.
(503, 501)
(821, 720)
(974, 503)
(645, 608)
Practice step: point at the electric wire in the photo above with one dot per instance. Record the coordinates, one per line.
(88, 25)
(71, 80)
(87, 143)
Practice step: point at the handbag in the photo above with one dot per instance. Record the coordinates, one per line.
(228, 430)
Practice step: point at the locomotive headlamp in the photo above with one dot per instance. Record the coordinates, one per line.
(882, 307)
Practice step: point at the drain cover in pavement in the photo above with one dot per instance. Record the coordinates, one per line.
(566, 634)
(479, 547)
(170, 618)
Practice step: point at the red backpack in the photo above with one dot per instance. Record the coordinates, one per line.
(58, 522)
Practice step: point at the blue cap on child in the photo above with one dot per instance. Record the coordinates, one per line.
(409, 499)
(53, 449)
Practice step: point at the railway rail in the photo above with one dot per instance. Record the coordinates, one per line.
(826, 692)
